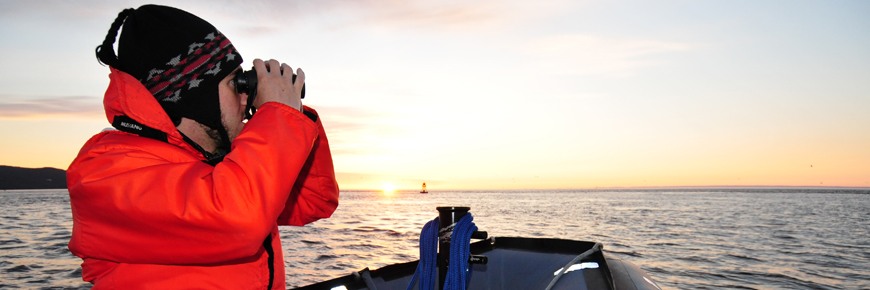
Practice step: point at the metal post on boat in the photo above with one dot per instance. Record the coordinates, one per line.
(447, 218)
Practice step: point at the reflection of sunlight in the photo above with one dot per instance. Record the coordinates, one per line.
(389, 188)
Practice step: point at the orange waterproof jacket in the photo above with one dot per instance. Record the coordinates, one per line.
(150, 214)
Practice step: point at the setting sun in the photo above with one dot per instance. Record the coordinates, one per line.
(389, 188)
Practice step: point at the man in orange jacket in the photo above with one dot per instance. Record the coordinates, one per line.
(185, 194)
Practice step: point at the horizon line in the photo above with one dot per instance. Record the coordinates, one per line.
(569, 188)
(583, 188)
(631, 187)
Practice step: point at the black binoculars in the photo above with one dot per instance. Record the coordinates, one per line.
(246, 83)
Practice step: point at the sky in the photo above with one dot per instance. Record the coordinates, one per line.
(505, 94)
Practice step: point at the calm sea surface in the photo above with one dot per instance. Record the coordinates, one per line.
(684, 238)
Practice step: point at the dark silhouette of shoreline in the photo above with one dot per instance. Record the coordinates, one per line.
(31, 178)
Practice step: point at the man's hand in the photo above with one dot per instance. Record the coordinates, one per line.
(275, 84)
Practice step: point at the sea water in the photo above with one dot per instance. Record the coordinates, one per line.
(685, 238)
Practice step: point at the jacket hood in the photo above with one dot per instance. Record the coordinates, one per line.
(126, 96)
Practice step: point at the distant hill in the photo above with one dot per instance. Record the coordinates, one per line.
(31, 178)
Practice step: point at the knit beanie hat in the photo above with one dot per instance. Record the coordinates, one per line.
(179, 57)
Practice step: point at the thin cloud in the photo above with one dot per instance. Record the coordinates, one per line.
(64, 10)
(45, 108)
(438, 16)
(359, 130)
(275, 17)
(342, 119)
(375, 176)
(589, 54)
(262, 18)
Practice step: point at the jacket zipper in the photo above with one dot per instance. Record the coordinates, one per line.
(268, 245)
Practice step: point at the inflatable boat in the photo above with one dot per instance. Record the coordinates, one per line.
(450, 261)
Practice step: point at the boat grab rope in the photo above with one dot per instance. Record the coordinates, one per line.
(597, 247)
(428, 257)
(460, 250)
(366, 276)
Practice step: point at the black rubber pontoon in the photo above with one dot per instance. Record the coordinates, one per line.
(505, 263)
(516, 263)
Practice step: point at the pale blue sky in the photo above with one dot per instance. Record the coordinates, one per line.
(506, 93)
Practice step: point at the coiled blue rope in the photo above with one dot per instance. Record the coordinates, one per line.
(426, 268)
(460, 250)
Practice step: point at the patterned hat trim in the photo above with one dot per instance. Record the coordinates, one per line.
(184, 73)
